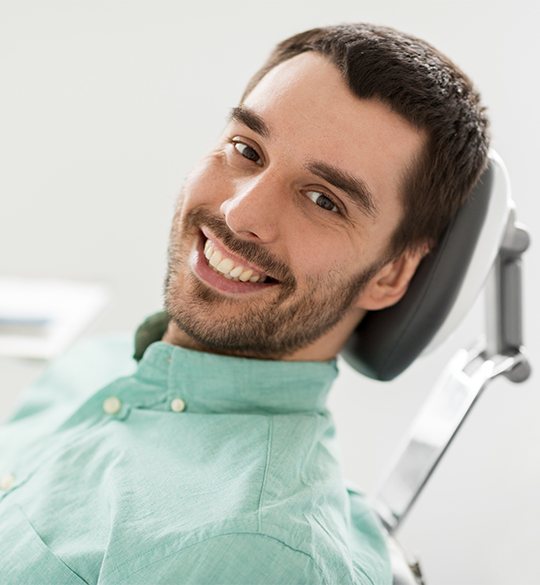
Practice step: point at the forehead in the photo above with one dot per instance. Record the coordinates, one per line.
(312, 114)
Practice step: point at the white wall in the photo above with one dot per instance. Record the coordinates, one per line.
(105, 106)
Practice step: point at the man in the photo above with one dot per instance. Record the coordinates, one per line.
(215, 461)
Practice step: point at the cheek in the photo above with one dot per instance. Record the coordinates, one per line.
(207, 182)
(318, 262)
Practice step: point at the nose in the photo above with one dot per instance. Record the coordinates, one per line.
(256, 207)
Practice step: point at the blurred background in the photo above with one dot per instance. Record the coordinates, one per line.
(106, 106)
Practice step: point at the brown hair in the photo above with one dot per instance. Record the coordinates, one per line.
(427, 89)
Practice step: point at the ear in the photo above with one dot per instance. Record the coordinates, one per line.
(390, 283)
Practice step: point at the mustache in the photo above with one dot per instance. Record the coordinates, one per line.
(248, 250)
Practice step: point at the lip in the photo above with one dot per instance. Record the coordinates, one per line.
(199, 265)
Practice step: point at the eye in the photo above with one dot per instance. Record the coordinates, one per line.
(247, 151)
(323, 201)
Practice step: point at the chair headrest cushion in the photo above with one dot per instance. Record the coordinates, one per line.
(386, 342)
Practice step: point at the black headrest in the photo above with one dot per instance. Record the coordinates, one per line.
(386, 342)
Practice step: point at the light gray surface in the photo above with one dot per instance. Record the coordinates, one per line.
(105, 108)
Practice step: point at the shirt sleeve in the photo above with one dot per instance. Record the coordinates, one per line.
(230, 559)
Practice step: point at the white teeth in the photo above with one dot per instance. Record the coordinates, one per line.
(226, 267)
(215, 259)
(245, 276)
(236, 272)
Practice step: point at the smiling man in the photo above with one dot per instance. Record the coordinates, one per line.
(215, 461)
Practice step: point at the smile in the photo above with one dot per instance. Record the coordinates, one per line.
(212, 264)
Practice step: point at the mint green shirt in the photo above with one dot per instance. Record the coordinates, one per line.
(184, 468)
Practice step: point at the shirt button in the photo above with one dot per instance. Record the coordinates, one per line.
(7, 481)
(112, 405)
(178, 405)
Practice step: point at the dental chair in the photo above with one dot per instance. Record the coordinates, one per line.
(481, 249)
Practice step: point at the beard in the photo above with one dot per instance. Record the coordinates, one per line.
(260, 328)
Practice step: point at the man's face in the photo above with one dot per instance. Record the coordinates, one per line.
(304, 185)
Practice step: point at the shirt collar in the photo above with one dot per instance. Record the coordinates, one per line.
(209, 382)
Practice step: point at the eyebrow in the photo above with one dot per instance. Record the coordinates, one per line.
(355, 188)
(250, 119)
